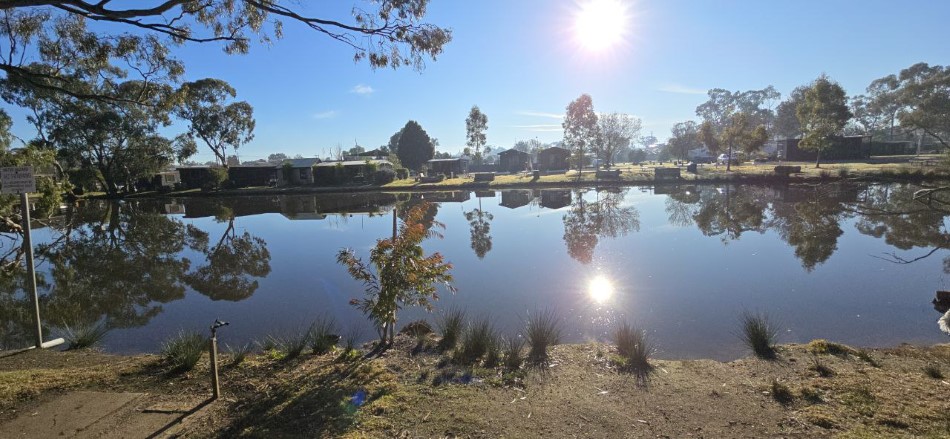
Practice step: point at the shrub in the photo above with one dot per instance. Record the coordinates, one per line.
(402, 173)
(493, 353)
(759, 334)
(383, 176)
(183, 351)
(323, 336)
(450, 325)
(85, 335)
(513, 348)
(543, 330)
(634, 346)
(844, 172)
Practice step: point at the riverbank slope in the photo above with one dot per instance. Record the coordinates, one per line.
(808, 391)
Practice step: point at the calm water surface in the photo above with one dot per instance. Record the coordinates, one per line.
(831, 261)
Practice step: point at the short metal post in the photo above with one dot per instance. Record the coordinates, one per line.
(30, 270)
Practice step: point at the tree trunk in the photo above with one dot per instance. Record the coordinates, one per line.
(818, 158)
(729, 159)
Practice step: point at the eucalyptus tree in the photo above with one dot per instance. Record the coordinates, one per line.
(684, 136)
(738, 131)
(823, 114)
(475, 125)
(214, 120)
(616, 132)
(47, 43)
(580, 128)
(786, 117)
(921, 96)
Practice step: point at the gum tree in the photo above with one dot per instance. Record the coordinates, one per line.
(823, 114)
(475, 125)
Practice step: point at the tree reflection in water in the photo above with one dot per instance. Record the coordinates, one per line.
(588, 221)
(480, 222)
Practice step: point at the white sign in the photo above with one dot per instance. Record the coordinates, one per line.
(17, 180)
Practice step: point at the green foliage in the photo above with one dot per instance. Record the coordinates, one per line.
(217, 176)
(400, 274)
(183, 351)
(615, 132)
(292, 344)
(823, 114)
(85, 335)
(543, 329)
(383, 176)
(402, 173)
(684, 136)
(920, 98)
(475, 125)
(415, 147)
(758, 333)
(220, 125)
(450, 324)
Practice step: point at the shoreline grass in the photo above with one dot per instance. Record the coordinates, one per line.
(759, 334)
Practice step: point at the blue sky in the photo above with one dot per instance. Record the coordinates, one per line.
(520, 62)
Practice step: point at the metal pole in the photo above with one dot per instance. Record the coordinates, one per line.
(215, 387)
(30, 270)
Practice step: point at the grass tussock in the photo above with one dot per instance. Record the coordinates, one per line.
(450, 325)
(933, 371)
(293, 344)
(238, 354)
(821, 346)
(820, 367)
(479, 337)
(759, 334)
(85, 335)
(634, 346)
(542, 330)
(514, 352)
(183, 351)
(781, 393)
(323, 335)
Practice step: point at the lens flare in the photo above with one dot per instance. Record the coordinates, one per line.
(600, 290)
(601, 24)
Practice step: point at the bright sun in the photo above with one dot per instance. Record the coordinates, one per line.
(600, 290)
(601, 24)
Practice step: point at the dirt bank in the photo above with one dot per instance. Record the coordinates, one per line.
(896, 392)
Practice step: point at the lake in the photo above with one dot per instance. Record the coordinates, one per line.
(858, 264)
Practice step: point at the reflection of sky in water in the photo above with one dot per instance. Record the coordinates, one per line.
(685, 288)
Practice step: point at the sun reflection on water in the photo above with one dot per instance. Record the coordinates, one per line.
(600, 290)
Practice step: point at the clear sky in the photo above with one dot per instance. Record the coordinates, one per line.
(522, 62)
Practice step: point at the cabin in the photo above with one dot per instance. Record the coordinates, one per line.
(842, 148)
(296, 172)
(553, 159)
(448, 166)
(513, 161)
(253, 175)
(351, 171)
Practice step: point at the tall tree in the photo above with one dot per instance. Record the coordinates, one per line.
(49, 46)
(219, 124)
(786, 115)
(415, 147)
(684, 136)
(823, 114)
(921, 94)
(580, 128)
(756, 104)
(616, 132)
(475, 125)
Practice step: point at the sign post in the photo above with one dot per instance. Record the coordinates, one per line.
(19, 180)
